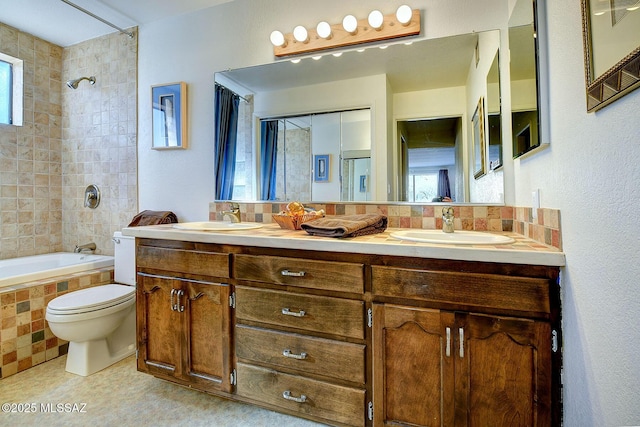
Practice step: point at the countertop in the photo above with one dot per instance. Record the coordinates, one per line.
(523, 251)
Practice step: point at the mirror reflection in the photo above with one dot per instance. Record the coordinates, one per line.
(420, 100)
(523, 70)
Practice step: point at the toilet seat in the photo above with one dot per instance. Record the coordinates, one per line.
(91, 299)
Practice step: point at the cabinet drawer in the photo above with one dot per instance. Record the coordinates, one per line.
(318, 356)
(183, 261)
(468, 289)
(341, 404)
(332, 276)
(310, 313)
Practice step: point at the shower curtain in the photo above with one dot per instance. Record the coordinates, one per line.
(268, 152)
(226, 131)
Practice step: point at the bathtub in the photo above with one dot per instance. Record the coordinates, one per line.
(26, 269)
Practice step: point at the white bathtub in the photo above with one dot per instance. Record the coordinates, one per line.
(26, 269)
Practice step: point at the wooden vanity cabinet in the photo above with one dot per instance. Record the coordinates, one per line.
(184, 320)
(463, 368)
(298, 352)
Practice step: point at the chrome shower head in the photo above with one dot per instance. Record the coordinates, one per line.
(73, 84)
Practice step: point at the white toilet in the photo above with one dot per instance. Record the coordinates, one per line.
(99, 322)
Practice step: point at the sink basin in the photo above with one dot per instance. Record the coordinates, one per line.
(217, 226)
(455, 238)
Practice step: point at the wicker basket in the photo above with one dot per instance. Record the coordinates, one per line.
(293, 222)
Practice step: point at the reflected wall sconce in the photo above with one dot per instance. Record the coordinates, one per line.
(352, 31)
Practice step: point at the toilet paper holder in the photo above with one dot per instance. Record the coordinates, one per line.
(91, 196)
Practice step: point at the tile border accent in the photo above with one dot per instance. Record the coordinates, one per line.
(545, 228)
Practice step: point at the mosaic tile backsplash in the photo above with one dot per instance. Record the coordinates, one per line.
(545, 228)
(25, 337)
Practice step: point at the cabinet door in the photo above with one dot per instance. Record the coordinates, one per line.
(503, 372)
(413, 366)
(207, 321)
(158, 327)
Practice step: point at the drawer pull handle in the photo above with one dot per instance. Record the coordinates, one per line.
(287, 395)
(287, 353)
(292, 273)
(286, 312)
(448, 349)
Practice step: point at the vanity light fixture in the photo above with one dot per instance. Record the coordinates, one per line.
(352, 31)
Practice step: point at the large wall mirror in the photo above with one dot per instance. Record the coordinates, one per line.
(419, 101)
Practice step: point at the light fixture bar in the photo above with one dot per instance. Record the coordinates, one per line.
(390, 29)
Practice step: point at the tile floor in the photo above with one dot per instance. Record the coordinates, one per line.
(120, 396)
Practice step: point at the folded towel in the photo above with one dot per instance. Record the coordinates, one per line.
(346, 225)
(153, 218)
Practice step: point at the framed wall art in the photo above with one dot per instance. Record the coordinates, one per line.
(479, 149)
(169, 109)
(321, 167)
(611, 49)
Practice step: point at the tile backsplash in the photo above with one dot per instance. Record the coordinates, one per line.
(545, 228)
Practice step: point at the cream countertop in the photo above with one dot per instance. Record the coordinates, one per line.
(523, 251)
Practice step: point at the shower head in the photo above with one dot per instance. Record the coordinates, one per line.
(73, 84)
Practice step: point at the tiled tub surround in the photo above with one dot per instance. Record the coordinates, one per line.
(25, 337)
(544, 229)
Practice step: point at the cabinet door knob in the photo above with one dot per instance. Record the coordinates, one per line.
(287, 395)
(293, 273)
(287, 353)
(287, 312)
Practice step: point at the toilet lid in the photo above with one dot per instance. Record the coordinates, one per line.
(92, 298)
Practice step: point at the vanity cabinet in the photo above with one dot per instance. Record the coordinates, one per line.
(299, 352)
(463, 368)
(184, 319)
(353, 339)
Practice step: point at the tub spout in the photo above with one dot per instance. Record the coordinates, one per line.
(86, 247)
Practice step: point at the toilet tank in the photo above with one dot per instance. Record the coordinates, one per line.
(124, 259)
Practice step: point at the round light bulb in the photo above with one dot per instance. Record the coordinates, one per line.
(350, 24)
(376, 19)
(300, 34)
(403, 14)
(324, 30)
(277, 38)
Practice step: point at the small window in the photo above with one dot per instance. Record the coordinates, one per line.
(11, 87)
(6, 98)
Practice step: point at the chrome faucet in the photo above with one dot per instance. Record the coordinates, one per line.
(447, 219)
(233, 213)
(87, 247)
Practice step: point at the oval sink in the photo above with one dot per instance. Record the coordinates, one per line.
(216, 226)
(455, 238)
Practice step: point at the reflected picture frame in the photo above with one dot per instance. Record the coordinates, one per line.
(611, 50)
(479, 149)
(169, 116)
(321, 167)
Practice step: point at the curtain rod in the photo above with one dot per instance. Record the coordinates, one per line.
(233, 92)
(98, 18)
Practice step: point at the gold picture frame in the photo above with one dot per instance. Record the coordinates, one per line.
(479, 149)
(611, 50)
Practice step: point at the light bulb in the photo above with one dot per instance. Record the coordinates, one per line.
(315, 58)
(300, 34)
(403, 14)
(324, 30)
(376, 19)
(277, 39)
(337, 54)
(350, 24)
(295, 61)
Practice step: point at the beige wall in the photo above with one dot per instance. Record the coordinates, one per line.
(69, 139)
(99, 139)
(30, 156)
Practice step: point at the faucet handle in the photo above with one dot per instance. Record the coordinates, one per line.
(447, 211)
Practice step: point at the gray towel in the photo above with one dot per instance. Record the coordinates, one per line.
(346, 225)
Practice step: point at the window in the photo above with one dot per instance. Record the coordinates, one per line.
(11, 86)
